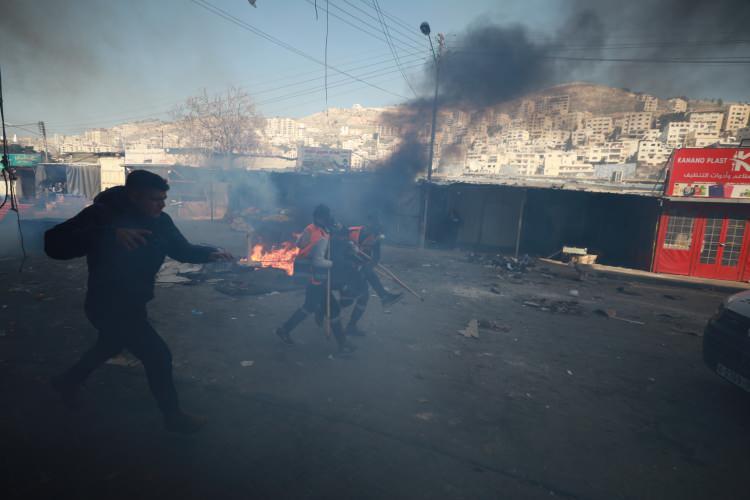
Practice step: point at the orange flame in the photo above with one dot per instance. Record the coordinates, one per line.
(279, 256)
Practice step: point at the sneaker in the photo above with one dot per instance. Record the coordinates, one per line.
(284, 336)
(391, 298)
(184, 423)
(67, 391)
(354, 331)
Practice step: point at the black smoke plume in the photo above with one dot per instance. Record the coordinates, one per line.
(490, 64)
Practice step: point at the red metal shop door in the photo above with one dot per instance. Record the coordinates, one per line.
(721, 248)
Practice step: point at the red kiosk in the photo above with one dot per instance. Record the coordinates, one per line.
(703, 229)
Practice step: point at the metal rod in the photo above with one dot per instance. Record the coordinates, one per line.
(390, 274)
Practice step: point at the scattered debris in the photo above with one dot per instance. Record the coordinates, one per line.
(493, 325)
(627, 291)
(246, 364)
(273, 293)
(574, 293)
(426, 416)
(612, 314)
(500, 261)
(555, 306)
(570, 372)
(173, 272)
(471, 330)
(495, 290)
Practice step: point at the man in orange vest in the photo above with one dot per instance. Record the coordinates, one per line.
(367, 240)
(314, 245)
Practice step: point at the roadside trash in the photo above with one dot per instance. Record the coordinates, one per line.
(196, 312)
(171, 272)
(570, 372)
(500, 261)
(626, 291)
(495, 290)
(273, 293)
(426, 416)
(471, 330)
(245, 364)
(555, 306)
(612, 314)
(493, 325)
(574, 293)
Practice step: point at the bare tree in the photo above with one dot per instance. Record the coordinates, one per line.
(220, 126)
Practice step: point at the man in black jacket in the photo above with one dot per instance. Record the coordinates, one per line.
(125, 237)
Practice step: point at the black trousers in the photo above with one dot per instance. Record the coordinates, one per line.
(374, 280)
(127, 327)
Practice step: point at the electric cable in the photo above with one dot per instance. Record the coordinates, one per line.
(376, 5)
(248, 27)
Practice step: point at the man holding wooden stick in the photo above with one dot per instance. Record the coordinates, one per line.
(314, 247)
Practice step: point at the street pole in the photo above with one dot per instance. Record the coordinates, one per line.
(428, 186)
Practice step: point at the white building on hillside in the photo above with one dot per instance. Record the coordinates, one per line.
(636, 123)
(737, 117)
(708, 122)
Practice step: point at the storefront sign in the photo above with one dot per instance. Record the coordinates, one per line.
(709, 173)
(24, 159)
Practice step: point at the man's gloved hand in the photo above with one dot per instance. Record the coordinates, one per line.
(131, 238)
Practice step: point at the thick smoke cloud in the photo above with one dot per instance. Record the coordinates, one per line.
(489, 64)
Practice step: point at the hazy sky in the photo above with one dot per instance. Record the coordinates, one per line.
(85, 63)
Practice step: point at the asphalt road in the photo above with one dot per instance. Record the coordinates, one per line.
(558, 400)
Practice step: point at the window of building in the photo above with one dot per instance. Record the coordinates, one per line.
(679, 233)
(733, 242)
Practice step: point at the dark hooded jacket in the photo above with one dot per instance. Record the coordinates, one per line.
(118, 275)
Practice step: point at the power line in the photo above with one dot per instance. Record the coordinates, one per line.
(341, 83)
(408, 35)
(376, 6)
(411, 57)
(97, 118)
(246, 26)
(408, 27)
(360, 28)
(723, 60)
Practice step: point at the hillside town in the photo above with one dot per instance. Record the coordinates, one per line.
(563, 132)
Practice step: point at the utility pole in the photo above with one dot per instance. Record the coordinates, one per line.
(43, 131)
(425, 29)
